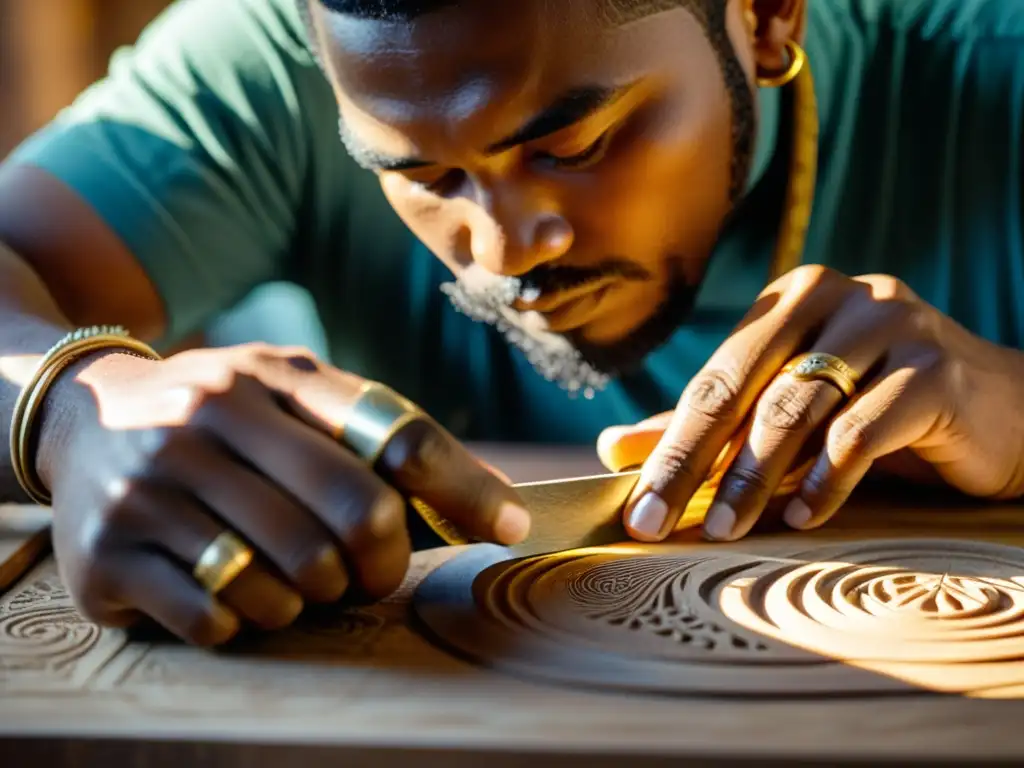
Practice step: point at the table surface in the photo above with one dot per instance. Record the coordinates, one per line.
(364, 686)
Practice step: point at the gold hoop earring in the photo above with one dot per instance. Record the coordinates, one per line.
(797, 61)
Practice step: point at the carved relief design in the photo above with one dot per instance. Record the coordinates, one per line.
(952, 602)
(44, 642)
(652, 596)
(876, 616)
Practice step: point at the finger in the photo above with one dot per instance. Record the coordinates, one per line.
(291, 537)
(173, 523)
(628, 446)
(791, 412)
(423, 459)
(900, 409)
(714, 407)
(427, 462)
(157, 587)
(365, 516)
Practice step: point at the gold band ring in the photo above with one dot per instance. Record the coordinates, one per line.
(222, 562)
(821, 366)
(373, 419)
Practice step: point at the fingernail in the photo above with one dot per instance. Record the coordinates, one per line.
(719, 522)
(797, 513)
(513, 523)
(648, 517)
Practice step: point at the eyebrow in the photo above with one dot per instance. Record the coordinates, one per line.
(570, 108)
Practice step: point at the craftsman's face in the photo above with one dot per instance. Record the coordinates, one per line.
(574, 175)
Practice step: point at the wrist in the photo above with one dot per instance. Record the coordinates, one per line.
(72, 353)
(67, 407)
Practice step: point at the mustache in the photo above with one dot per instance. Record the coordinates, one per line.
(554, 278)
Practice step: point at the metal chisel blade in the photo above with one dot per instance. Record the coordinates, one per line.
(575, 512)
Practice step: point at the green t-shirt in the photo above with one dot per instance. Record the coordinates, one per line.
(212, 150)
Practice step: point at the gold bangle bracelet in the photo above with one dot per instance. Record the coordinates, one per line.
(65, 352)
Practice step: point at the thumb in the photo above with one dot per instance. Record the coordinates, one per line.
(625, 446)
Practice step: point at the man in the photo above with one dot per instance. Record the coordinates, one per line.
(605, 183)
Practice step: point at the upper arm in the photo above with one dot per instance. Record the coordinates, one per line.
(174, 185)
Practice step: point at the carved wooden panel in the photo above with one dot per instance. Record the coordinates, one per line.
(44, 643)
(883, 616)
(379, 683)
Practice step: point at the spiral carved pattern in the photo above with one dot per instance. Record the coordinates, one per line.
(41, 631)
(857, 617)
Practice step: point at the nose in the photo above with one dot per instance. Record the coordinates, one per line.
(515, 234)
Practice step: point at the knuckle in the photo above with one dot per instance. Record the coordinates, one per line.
(418, 450)
(851, 434)
(713, 394)
(674, 463)
(888, 288)
(744, 481)
(787, 408)
(809, 278)
(258, 351)
(108, 524)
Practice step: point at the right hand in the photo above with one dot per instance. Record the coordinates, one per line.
(159, 457)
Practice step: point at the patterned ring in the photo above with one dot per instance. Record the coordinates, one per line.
(821, 366)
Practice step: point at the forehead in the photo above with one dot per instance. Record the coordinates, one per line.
(469, 72)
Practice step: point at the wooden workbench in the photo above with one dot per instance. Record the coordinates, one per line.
(363, 687)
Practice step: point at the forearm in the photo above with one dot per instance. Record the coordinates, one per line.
(30, 323)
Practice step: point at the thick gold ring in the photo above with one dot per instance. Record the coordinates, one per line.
(373, 419)
(222, 562)
(821, 366)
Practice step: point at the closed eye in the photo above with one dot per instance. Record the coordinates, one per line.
(581, 160)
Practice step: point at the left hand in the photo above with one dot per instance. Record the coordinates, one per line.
(928, 390)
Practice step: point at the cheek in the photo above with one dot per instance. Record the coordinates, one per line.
(666, 188)
(433, 220)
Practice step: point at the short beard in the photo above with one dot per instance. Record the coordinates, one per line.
(577, 366)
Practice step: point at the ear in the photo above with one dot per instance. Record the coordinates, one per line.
(774, 23)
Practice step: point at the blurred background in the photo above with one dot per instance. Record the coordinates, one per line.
(51, 50)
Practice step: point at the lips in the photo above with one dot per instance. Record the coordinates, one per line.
(570, 309)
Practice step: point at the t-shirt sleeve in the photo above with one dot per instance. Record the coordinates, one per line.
(194, 150)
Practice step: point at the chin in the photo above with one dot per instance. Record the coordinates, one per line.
(622, 350)
(575, 359)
